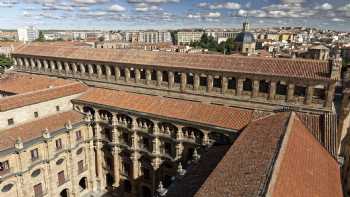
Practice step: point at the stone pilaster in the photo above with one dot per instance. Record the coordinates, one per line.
(309, 95)
(255, 92)
(210, 83)
(159, 77)
(92, 165)
(330, 95)
(171, 79)
(183, 82)
(239, 87)
(290, 92)
(135, 156)
(116, 167)
(272, 90)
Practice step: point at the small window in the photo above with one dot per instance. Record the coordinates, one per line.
(38, 190)
(36, 114)
(61, 178)
(59, 162)
(34, 154)
(36, 173)
(57, 108)
(79, 151)
(4, 166)
(81, 166)
(10, 121)
(7, 187)
(78, 135)
(59, 144)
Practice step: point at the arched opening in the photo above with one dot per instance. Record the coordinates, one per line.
(144, 123)
(64, 193)
(281, 88)
(146, 192)
(168, 128)
(232, 83)
(247, 85)
(87, 109)
(193, 133)
(109, 180)
(264, 86)
(83, 184)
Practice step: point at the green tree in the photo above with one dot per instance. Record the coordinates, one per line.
(5, 63)
(41, 37)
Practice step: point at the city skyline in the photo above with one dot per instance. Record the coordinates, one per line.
(172, 14)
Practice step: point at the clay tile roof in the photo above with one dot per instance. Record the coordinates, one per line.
(18, 83)
(20, 100)
(298, 68)
(214, 115)
(33, 130)
(306, 168)
(245, 167)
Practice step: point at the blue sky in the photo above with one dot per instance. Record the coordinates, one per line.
(172, 14)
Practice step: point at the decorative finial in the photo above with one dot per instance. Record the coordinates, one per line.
(180, 170)
(161, 190)
(46, 133)
(68, 125)
(19, 144)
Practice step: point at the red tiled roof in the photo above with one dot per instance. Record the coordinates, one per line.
(227, 117)
(244, 168)
(18, 83)
(310, 69)
(20, 100)
(306, 169)
(33, 130)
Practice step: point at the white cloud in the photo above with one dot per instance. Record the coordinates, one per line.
(338, 19)
(214, 6)
(325, 6)
(214, 14)
(117, 8)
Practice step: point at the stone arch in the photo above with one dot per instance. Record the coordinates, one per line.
(87, 109)
(193, 133)
(64, 193)
(145, 123)
(124, 119)
(168, 128)
(105, 115)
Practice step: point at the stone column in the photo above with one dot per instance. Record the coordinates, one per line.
(108, 72)
(127, 74)
(82, 69)
(183, 82)
(255, 91)
(330, 95)
(99, 71)
(75, 70)
(20, 62)
(135, 156)
(137, 75)
(148, 76)
(52, 65)
(38, 62)
(59, 65)
(116, 169)
(239, 88)
(91, 71)
(224, 84)
(46, 66)
(32, 63)
(159, 77)
(66, 67)
(272, 90)
(117, 72)
(14, 61)
(171, 79)
(26, 62)
(92, 165)
(290, 94)
(309, 95)
(196, 82)
(210, 83)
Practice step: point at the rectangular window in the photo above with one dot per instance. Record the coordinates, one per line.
(59, 144)
(10, 121)
(38, 190)
(61, 179)
(57, 108)
(34, 154)
(36, 114)
(78, 135)
(81, 166)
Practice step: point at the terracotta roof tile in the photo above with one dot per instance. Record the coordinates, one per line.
(245, 167)
(306, 169)
(20, 100)
(227, 117)
(33, 130)
(18, 83)
(310, 69)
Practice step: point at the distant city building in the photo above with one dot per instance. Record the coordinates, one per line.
(148, 37)
(245, 41)
(186, 37)
(318, 52)
(27, 34)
